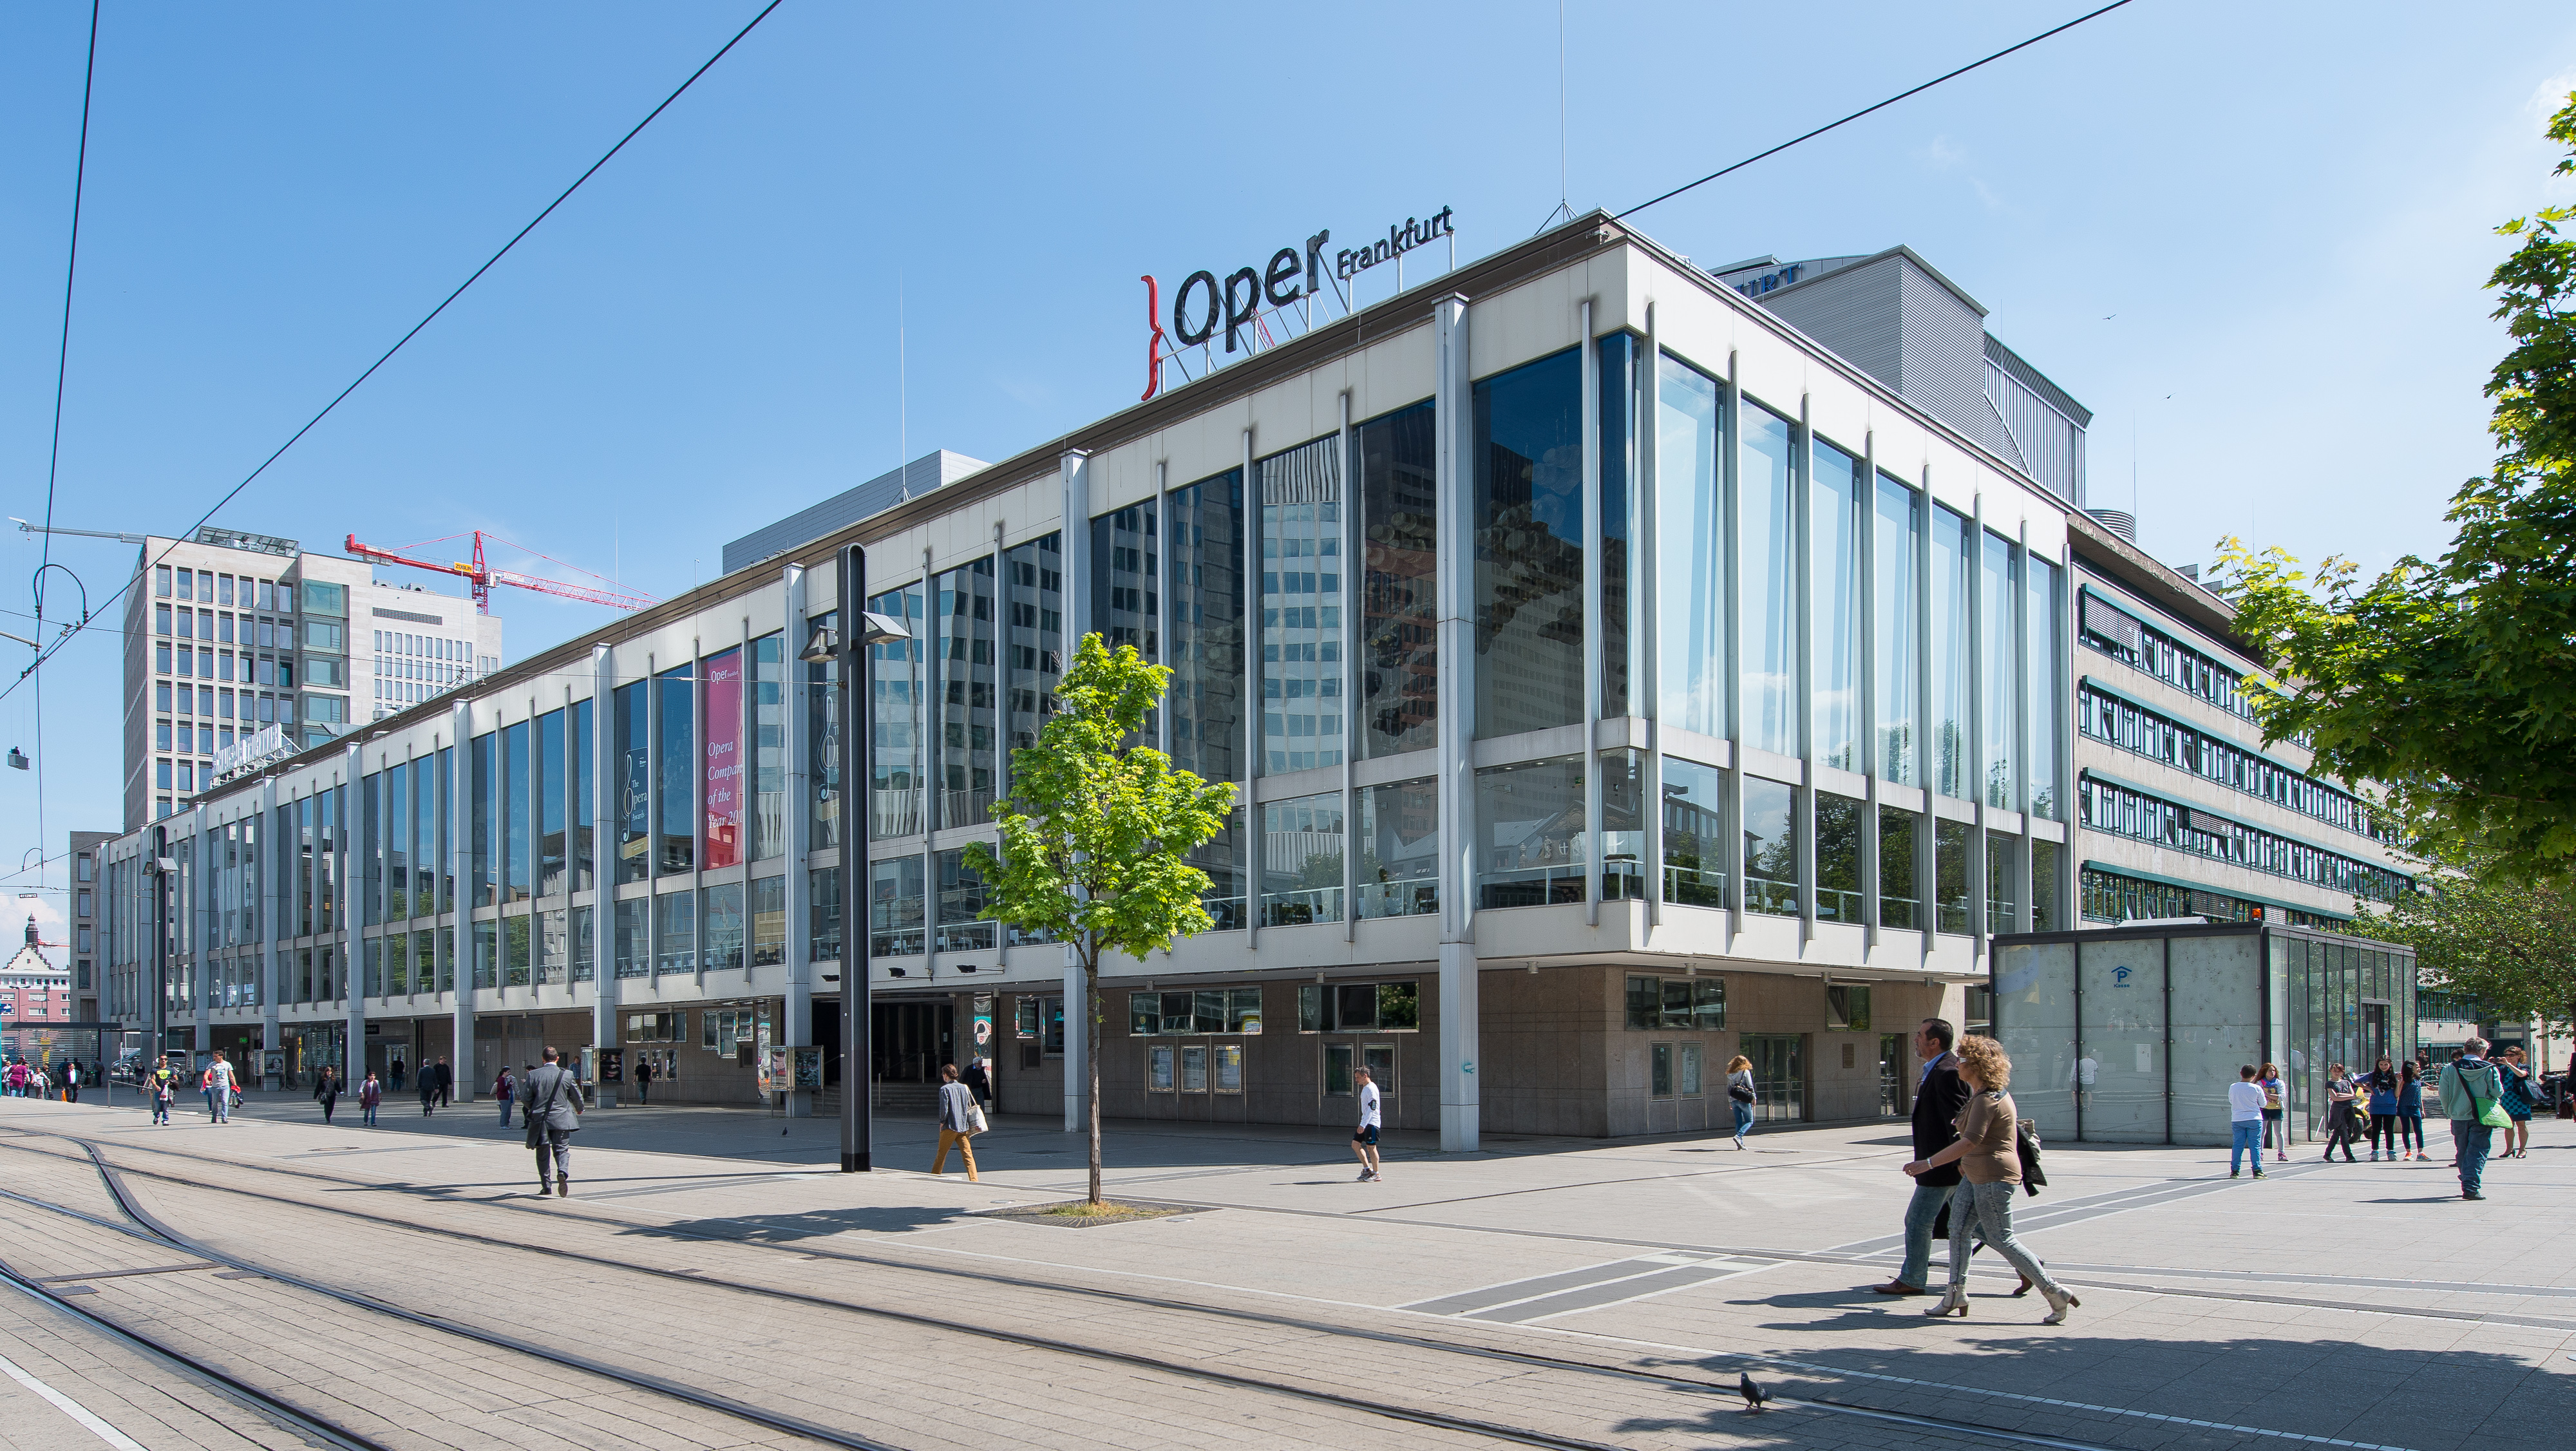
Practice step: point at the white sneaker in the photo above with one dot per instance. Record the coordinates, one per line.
(1366, 1176)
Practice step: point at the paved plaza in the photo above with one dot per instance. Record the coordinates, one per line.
(2324, 1305)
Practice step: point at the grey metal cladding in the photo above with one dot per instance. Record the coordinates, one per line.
(2036, 381)
(1945, 355)
(934, 470)
(1856, 312)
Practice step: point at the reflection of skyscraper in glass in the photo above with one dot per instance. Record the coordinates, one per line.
(1397, 683)
(1301, 606)
(1204, 547)
(1529, 547)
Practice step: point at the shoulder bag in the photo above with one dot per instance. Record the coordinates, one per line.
(2490, 1110)
(1741, 1093)
(976, 1123)
(538, 1113)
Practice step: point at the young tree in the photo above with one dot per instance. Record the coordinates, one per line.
(2506, 944)
(1097, 832)
(2453, 683)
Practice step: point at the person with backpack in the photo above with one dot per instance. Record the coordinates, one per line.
(553, 1100)
(1740, 1096)
(2472, 1094)
(370, 1093)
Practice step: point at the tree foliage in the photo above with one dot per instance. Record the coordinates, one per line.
(2505, 944)
(2453, 682)
(1097, 832)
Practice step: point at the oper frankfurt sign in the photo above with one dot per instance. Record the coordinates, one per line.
(1203, 304)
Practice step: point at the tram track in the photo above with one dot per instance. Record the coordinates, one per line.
(1662, 1380)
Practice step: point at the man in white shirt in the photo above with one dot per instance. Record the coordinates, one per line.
(221, 1083)
(2245, 1122)
(1364, 1143)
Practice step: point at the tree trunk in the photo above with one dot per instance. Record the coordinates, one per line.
(1091, 1057)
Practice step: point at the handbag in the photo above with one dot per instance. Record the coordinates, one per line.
(975, 1120)
(1739, 1093)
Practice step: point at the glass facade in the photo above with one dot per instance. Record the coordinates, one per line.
(769, 746)
(823, 785)
(894, 719)
(1690, 550)
(1622, 404)
(2043, 614)
(675, 808)
(1695, 842)
(1205, 545)
(1398, 684)
(1033, 639)
(1528, 565)
(1999, 656)
(1301, 857)
(1301, 607)
(1835, 502)
(1950, 584)
(1767, 602)
(633, 782)
(1399, 849)
(967, 708)
(1529, 827)
(1770, 847)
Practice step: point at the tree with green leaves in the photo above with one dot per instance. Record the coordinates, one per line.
(1097, 833)
(2507, 945)
(2452, 683)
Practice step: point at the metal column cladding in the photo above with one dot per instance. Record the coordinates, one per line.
(269, 977)
(346, 844)
(604, 985)
(460, 827)
(1075, 537)
(1590, 373)
(796, 886)
(1460, 1044)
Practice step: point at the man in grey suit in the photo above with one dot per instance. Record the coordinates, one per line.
(553, 1102)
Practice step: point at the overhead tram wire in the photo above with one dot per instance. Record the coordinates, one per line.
(1865, 110)
(54, 456)
(432, 316)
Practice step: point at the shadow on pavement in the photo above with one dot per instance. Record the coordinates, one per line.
(789, 1228)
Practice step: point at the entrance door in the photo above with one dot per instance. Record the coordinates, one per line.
(908, 1041)
(2374, 1034)
(1891, 1076)
(1779, 1076)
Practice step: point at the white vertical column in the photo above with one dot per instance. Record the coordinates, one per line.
(1731, 665)
(1254, 711)
(351, 920)
(797, 787)
(1980, 891)
(1074, 473)
(1865, 726)
(1645, 682)
(264, 862)
(603, 848)
(199, 904)
(460, 853)
(1802, 507)
(1590, 446)
(1927, 828)
(1453, 484)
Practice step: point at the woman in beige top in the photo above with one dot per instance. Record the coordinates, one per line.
(1989, 1170)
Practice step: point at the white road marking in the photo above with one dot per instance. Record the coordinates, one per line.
(71, 1408)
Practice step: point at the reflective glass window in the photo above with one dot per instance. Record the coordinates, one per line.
(1399, 849)
(1833, 576)
(1768, 597)
(967, 708)
(1950, 584)
(1301, 607)
(546, 784)
(1695, 840)
(585, 794)
(1896, 532)
(1529, 833)
(1204, 546)
(1397, 683)
(633, 783)
(822, 806)
(1770, 847)
(1301, 860)
(1528, 545)
(1033, 635)
(1838, 823)
(1900, 900)
(769, 746)
(2043, 636)
(1690, 550)
(895, 903)
(961, 906)
(896, 680)
(1999, 631)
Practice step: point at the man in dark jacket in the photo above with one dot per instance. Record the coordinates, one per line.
(1939, 1098)
(553, 1100)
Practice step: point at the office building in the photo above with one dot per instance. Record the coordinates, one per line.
(242, 647)
(1618, 677)
(84, 902)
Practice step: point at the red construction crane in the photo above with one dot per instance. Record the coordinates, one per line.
(481, 577)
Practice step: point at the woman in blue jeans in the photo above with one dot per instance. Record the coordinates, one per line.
(2245, 1122)
(1739, 1095)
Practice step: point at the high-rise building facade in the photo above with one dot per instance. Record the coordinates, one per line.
(241, 646)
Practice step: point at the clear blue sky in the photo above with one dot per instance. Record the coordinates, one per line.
(2252, 238)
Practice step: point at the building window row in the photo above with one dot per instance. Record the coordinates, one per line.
(2113, 721)
(2142, 647)
(2121, 811)
(207, 587)
(2116, 897)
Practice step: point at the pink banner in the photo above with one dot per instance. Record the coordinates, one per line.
(724, 759)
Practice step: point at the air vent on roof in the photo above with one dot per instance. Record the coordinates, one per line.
(2118, 521)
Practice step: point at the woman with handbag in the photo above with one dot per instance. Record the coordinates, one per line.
(2410, 1109)
(2515, 1142)
(1739, 1096)
(960, 1118)
(1987, 1153)
(2341, 1116)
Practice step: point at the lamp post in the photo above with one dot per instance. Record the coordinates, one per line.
(159, 868)
(847, 642)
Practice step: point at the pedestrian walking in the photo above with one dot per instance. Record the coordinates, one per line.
(2245, 1121)
(427, 1079)
(394, 1074)
(1740, 1096)
(1940, 1096)
(504, 1087)
(2276, 1123)
(2471, 1093)
(71, 1081)
(2341, 1114)
(446, 1082)
(1364, 1137)
(370, 1093)
(643, 1081)
(326, 1092)
(958, 1117)
(220, 1075)
(2410, 1109)
(2379, 1087)
(163, 1087)
(2519, 1100)
(978, 1079)
(554, 1105)
(1989, 1161)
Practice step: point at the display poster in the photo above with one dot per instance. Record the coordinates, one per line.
(773, 1072)
(809, 1067)
(724, 759)
(983, 1025)
(612, 1065)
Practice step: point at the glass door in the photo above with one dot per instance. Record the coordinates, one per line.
(1891, 1076)
(1779, 1076)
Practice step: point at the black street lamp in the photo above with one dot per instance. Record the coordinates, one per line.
(160, 868)
(848, 642)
